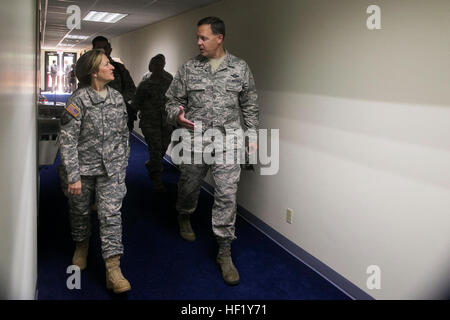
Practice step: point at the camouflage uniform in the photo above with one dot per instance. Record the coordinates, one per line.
(217, 100)
(150, 101)
(94, 147)
(124, 84)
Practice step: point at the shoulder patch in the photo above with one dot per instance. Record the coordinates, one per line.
(73, 110)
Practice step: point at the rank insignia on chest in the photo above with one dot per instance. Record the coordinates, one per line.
(73, 110)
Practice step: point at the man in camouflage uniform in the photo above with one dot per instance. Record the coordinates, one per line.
(213, 89)
(150, 101)
(94, 148)
(122, 80)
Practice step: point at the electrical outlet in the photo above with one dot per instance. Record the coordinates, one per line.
(289, 214)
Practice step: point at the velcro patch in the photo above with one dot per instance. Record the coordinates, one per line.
(73, 110)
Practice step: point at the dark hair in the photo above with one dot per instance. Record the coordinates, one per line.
(217, 25)
(159, 56)
(98, 39)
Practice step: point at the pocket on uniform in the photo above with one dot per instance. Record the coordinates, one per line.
(196, 95)
(234, 86)
(88, 126)
(196, 86)
(233, 89)
(117, 119)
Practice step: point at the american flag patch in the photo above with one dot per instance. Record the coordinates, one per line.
(73, 110)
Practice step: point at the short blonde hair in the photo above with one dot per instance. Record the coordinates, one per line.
(88, 64)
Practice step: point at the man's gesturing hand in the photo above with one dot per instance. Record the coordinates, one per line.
(252, 147)
(182, 121)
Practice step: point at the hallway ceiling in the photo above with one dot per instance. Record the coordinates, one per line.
(140, 13)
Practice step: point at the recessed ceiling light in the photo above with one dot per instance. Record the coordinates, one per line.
(74, 36)
(106, 17)
(65, 45)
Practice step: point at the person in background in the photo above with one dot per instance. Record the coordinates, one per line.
(94, 148)
(54, 75)
(148, 73)
(66, 76)
(72, 79)
(122, 80)
(150, 102)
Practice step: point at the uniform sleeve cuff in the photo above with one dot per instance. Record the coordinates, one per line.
(73, 177)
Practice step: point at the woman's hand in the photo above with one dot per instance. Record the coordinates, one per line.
(74, 188)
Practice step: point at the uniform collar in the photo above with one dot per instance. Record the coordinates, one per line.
(95, 97)
(202, 62)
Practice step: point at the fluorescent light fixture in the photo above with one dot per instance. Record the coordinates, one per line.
(76, 37)
(106, 17)
(65, 45)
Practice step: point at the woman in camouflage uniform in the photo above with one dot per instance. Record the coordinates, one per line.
(94, 147)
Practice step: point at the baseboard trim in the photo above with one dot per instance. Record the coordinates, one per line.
(341, 283)
(36, 292)
(138, 136)
(303, 256)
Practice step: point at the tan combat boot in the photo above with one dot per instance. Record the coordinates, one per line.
(229, 272)
(114, 277)
(186, 231)
(80, 255)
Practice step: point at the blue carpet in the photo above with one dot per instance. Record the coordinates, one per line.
(157, 262)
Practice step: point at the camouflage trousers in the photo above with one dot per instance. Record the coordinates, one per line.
(226, 178)
(157, 139)
(109, 192)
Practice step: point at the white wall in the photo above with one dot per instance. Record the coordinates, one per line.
(18, 203)
(364, 119)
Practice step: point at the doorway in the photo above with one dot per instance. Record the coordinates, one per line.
(58, 66)
(51, 64)
(69, 60)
